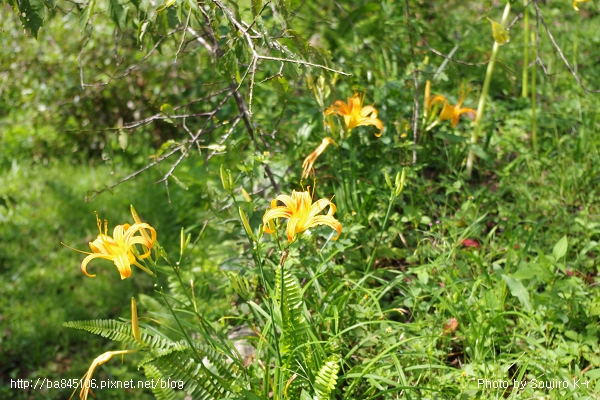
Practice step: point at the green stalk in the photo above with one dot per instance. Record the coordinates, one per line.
(526, 49)
(484, 92)
(533, 98)
(385, 220)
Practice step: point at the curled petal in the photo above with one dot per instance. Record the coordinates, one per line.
(461, 111)
(369, 111)
(329, 221)
(86, 261)
(285, 199)
(375, 122)
(319, 206)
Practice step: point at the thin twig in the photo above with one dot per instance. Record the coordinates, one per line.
(415, 81)
(539, 13)
(185, 29)
(164, 116)
(449, 58)
(136, 173)
(201, 40)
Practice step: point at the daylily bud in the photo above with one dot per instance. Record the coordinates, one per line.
(246, 195)
(184, 241)
(388, 180)
(400, 181)
(246, 224)
(226, 179)
(134, 320)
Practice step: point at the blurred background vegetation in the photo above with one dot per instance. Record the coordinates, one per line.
(97, 95)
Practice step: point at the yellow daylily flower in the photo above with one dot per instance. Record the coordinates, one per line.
(449, 111)
(355, 114)
(576, 2)
(309, 161)
(120, 248)
(302, 214)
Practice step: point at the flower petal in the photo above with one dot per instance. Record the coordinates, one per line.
(373, 121)
(123, 263)
(277, 212)
(369, 111)
(326, 220)
(318, 206)
(291, 228)
(89, 258)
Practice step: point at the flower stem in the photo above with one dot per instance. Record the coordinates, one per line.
(484, 92)
(385, 221)
(525, 49)
(533, 99)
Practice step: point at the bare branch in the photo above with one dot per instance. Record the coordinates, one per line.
(449, 58)
(415, 82)
(201, 40)
(136, 173)
(164, 116)
(539, 13)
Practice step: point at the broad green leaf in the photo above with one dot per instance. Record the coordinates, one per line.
(32, 14)
(284, 7)
(87, 14)
(280, 84)
(593, 374)
(519, 291)
(257, 6)
(117, 13)
(560, 248)
(228, 64)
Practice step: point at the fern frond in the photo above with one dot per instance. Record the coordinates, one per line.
(292, 310)
(222, 365)
(200, 383)
(326, 379)
(161, 393)
(108, 328)
(122, 332)
(159, 352)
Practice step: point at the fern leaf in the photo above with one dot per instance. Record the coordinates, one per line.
(108, 328)
(122, 332)
(161, 393)
(326, 379)
(292, 309)
(199, 382)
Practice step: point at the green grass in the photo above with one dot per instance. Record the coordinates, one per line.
(492, 277)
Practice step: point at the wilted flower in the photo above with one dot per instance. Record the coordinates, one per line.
(449, 111)
(302, 214)
(309, 161)
(355, 114)
(576, 2)
(120, 248)
(450, 326)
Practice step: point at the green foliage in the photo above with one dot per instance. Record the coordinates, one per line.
(325, 380)
(428, 289)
